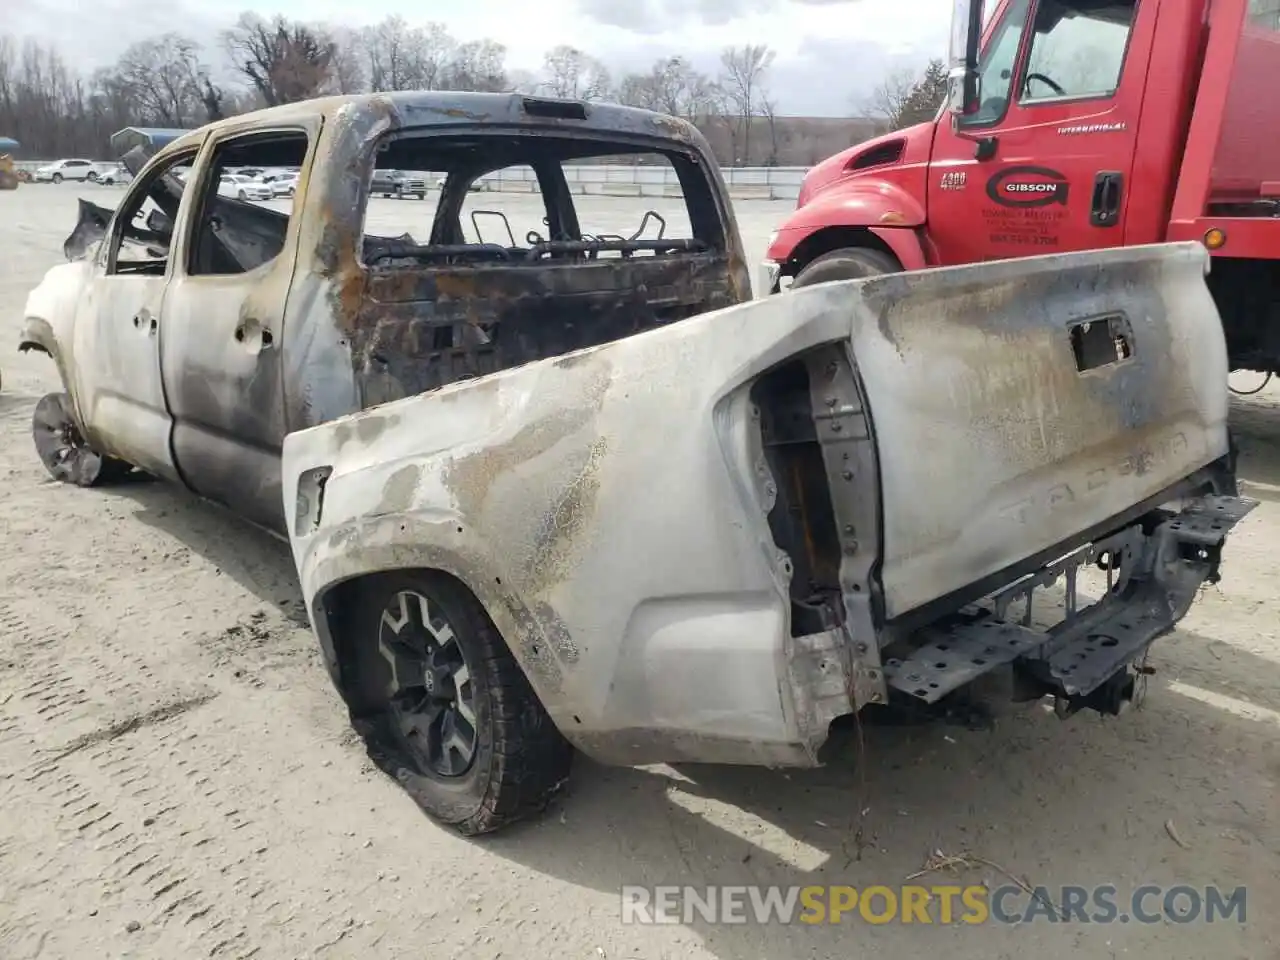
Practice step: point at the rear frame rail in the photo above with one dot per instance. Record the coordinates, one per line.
(1152, 580)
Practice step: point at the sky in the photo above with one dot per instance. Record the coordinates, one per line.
(830, 53)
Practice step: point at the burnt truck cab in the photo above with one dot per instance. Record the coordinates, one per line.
(194, 331)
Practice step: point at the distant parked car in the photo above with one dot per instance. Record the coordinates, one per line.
(398, 184)
(243, 188)
(109, 174)
(61, 170)
(475, 186)
(283, 185)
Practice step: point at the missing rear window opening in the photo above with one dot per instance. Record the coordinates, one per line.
(525, 199)
(531, 245)
(1100, 342)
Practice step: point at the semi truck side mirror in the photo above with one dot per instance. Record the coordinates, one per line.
(964, 84)
(964, 91)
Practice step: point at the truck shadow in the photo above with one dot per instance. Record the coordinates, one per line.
(257, 561)
(1082, 802)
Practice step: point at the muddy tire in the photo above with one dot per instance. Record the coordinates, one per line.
(850, 263)
(444, 708)
(64, 452)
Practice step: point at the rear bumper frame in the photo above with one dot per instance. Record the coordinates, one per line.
(1153, 575)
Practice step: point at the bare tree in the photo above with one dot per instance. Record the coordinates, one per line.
(284, 62)
(889, 97)
(572, 74)
(904, 98)
(671, 86)
(478, 65)
(386, 54)
(346, 66)
(213, 99)
(524, 81)
(743, 81)
(163, 76)
(769, 110)
(55, 111)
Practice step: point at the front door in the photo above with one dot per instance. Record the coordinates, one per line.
(118, 386)
(222, 332)
(1045, 165)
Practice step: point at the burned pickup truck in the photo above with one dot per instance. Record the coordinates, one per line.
(574, 489)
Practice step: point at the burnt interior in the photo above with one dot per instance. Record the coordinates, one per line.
(802, 521)
(447, 307)
(231, 236)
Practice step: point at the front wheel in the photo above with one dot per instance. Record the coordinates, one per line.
(57, 178)
(64, 451)
(242, 196)
(849, 263)
(444, 708)
(91, 176)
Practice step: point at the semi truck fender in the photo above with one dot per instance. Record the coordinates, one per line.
(879, 208)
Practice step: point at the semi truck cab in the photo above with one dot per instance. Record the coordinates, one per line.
(1073, 125)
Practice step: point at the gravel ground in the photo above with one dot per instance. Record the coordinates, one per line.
(177, 778)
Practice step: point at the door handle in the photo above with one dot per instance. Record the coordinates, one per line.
(1105, 210)
(265, 338)
(144, 318)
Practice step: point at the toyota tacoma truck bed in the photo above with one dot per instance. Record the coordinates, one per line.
(706, 541)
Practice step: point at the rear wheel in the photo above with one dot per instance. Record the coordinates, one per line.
(443, 706)
(243, 196)
(849, 263)
(64, 452)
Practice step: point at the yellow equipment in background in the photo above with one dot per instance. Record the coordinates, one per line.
(9, 178)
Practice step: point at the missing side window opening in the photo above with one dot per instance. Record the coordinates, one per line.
(1101, 342)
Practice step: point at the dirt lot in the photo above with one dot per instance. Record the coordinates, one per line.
(177, 778)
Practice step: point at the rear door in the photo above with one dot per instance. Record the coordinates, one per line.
(222, 330)
(1046, 164)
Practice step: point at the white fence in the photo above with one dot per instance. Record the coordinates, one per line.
(616, 180)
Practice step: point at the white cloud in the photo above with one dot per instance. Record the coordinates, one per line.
(829, 52)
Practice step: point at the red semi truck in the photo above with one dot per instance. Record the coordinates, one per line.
(1073, 125)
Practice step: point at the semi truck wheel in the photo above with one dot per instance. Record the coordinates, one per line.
(849, 263)
(443, 706)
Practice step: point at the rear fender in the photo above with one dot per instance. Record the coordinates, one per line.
(367, 545)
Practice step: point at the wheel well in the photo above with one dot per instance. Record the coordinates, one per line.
(341, 600)
(35, 345)
(833, 238)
